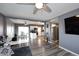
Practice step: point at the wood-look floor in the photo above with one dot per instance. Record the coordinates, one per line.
(40, 48)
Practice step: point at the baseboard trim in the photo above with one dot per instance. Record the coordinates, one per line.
(69, 51)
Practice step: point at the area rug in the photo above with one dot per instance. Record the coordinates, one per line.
(23, 51)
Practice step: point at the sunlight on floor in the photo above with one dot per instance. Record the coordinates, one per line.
(39, 42)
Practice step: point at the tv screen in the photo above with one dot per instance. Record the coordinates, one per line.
(72, 25)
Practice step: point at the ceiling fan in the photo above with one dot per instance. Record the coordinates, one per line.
(38, 6)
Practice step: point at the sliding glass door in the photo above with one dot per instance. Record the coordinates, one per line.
(23, 34)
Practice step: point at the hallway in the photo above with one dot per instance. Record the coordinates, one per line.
(40, 48)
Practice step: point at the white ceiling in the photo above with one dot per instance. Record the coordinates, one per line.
(25, 11)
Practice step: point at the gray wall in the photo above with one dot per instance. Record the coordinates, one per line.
(1, 25)
(68, 41)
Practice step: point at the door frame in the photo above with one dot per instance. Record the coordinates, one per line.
(55, 35)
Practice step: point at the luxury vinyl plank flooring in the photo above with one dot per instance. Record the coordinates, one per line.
(53, 52)
(42, 49)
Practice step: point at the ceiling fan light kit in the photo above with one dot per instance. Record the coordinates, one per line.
(39, 5)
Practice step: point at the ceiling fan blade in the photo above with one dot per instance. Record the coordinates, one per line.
(35, 10)
(46, 8)
(26, 3)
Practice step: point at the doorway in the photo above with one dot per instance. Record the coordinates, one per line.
(55, 33)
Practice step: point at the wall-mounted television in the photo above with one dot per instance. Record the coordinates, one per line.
(72, 25)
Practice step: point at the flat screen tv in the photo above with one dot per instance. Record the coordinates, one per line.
(72, 25)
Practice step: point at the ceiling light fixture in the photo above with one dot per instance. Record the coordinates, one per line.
(39, 5)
